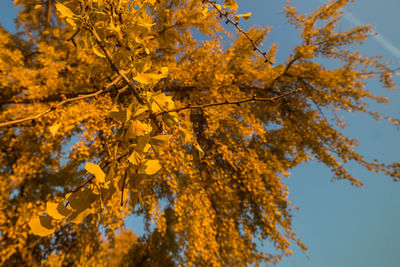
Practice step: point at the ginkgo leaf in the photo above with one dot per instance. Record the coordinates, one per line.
(106, 193)
(148, 78)
(160, 140)
(111, 171)
(100, 3)
(78, 200)
(159, 143)
(136, 197)
(161, 101)
(79, 215)
(142, 142)
(139, 111)
(231, 4)
(135, 158)
(245, 16)
(199, 149)
(150, 167)
(170, 119)
(137, 128)
(136, 179)
(41, 225)
(120, 114)
(146, 24)
(57, 210)
(96, 171)
(97, 52)
(65, 11)
(71, 22)
(54, 129)
(185, 135)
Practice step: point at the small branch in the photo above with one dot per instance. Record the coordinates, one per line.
(122, 190)
(238, 102)
(88, 181)
(105, 88)
(112, 64)
(236, 24)
(46, 99)
(48, 19)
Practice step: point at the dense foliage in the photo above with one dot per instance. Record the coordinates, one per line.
(112, 107)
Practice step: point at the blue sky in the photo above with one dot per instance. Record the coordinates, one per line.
(340, 224)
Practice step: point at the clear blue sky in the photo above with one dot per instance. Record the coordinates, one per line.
(342, 226)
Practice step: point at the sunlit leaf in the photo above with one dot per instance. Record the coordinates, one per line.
(41, 225)
(135, 158)
(199, 149)
(148, 78)
(65, 11)
(57, 210)
(79, 215)
(97, 52)
(118, 114)
(54, 129)
(245, 16)
(231, 4)
(150, 167)
(160, 140)
(96, 171)
(137, 128)
(170, 119)
(142, 141)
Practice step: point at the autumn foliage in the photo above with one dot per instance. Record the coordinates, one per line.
(112, 107)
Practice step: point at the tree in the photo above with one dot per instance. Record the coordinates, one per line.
(193, 136)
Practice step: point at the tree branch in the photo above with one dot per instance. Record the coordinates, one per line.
(122, 189)
(238, 102)
(112, 64)
(105, 88)
(222, 13)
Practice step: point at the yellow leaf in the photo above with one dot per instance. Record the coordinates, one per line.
(150, 167)
(160, 140)
(142, 142)
(145, 24)
(97, 52)
(170, 119)
(54, 129)
(135, 158)
(139, 111)
(96, 171)
(41, 226)
(79, 215)
(81, 200)
(198, 147)
(57, 210)
(117, 114)
(65, 11)
(148, 78)
(162, 101)
(231, 4)
(71, 22)
(245, 16)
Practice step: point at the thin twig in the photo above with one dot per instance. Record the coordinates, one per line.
(237, 102)
(222, 13)
(112, 64)
(105, 88)
(122, 190)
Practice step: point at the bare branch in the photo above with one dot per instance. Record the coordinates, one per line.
(224, 14)
(105, 88)
(238, 102)
(122, 190)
